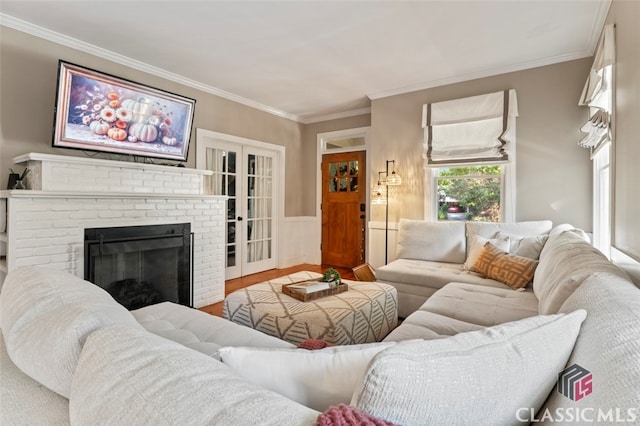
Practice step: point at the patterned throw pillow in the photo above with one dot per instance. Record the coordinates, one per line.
(514, 271)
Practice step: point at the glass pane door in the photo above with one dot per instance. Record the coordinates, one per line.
(223, 162)
(246, 175)
(259, 199)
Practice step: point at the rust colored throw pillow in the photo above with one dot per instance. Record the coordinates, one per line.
(514, 271)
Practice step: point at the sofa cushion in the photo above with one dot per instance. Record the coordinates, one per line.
(559, 229)
(316, 379)
(565, 262)
(434, 275)
(128, 376)
(46, 317)
(200, 331)
(482, 305)
(427, 325)
(608, 346)
(434, 241)
(514, 271)
(470, 377)
(25, 401)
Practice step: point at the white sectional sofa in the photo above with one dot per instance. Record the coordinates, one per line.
(71, 355)
(432, 254)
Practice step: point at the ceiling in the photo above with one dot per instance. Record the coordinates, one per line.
(313, 60)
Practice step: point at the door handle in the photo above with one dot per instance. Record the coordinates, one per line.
(239, 218)
(361, 216)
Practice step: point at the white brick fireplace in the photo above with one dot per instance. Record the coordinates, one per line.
(45, 224)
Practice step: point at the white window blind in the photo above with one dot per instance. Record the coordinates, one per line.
(598, 93)
(477, 129)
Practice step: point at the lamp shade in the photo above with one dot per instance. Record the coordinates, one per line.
(394, 179)
(379, 195)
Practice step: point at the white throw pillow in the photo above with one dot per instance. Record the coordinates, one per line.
(490, 229)
(433, 241)
(46, 317)
(470, 377)
(316, 379)
(524, 246)
(477, 244)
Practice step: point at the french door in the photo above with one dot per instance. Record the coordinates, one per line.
(245, 174)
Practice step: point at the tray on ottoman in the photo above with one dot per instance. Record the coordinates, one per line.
(365, 313)
(306, 297)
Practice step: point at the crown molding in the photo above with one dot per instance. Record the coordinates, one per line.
(596, 30)
(55, 37)
(335, 115)
(481, 74)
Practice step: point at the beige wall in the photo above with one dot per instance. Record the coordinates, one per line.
(626, 206)
(553, 173)
(309, 152)
(28, 71)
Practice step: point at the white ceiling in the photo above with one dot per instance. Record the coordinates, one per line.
(310, 60)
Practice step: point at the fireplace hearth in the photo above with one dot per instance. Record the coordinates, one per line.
(141, 265)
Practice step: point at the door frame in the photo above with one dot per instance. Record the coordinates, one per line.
(321, 149)
(278, 175)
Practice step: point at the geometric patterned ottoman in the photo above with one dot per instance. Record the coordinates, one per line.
(367, 312)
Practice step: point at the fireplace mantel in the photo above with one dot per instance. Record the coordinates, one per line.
(80, 174)
(97, 162)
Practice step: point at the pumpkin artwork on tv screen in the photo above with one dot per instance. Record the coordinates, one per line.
(104, 113)
(120, 119)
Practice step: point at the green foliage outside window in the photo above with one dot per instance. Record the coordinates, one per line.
(474, 191)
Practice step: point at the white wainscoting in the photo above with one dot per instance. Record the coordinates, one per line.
(300, 241)
(375, 248)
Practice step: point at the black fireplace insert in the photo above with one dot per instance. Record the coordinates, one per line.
(141, 265)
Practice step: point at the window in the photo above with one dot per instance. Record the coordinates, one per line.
(598, 96)
(469, 151)
(602, 200)
(469, 193)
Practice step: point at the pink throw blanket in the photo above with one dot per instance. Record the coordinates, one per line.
(345, 415)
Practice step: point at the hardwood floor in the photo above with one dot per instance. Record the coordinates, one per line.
(242, 282)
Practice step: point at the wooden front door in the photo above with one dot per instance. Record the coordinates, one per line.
(343, 208)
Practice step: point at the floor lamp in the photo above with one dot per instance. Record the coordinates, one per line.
(381, 196)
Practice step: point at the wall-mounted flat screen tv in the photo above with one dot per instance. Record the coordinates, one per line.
(100, 112)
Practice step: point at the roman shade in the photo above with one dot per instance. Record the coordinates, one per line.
(477, 129)
(598, 93)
